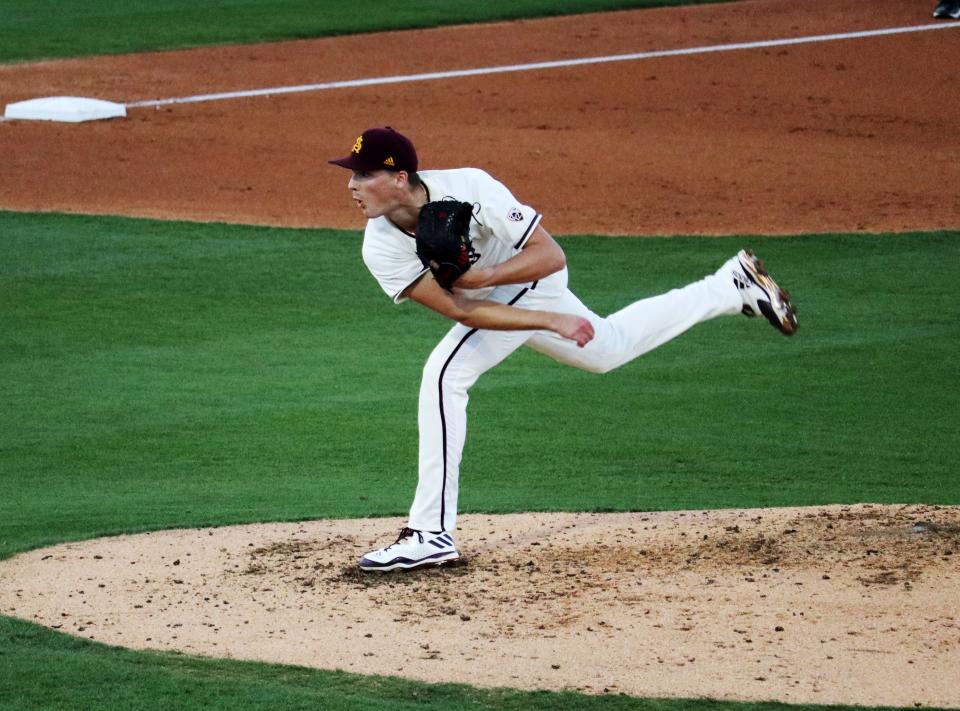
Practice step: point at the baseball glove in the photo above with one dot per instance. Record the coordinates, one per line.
(443, 240)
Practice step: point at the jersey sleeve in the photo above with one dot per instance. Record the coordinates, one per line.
(501, 215)
(394, 266)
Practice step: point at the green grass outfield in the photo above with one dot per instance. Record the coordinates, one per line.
(36, 29)
(162, 374)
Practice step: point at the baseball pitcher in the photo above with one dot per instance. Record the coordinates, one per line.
(459, 243)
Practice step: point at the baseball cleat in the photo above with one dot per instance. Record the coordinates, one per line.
(760, 293)
(945, 9)
(412, 549)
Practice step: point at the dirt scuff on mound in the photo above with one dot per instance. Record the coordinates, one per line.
(840, 604)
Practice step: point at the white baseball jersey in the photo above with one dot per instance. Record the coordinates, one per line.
(500, 228)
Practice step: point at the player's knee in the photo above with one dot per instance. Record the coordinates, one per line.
(599, 367)
(598, 360)
(440, 370)
(450, 373)
(432, 370)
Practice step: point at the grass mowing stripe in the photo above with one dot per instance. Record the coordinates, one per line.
(36, 29)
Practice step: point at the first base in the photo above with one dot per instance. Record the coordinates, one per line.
(71, 109)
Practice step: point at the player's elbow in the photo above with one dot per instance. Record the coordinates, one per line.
(549, 265)
(558, 262)
(552, 258)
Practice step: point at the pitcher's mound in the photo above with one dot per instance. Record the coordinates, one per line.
(840, 604)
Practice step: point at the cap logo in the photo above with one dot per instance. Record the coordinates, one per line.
(389, 161)
(358, 145)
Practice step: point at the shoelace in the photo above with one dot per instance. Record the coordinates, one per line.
(408, 533)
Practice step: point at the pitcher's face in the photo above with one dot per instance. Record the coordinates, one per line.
(376, 193)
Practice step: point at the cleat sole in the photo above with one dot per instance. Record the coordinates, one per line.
(409, 565)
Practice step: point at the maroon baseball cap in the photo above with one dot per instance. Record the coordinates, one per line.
(380, 149)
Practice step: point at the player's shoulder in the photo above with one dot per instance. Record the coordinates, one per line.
(380, 245)
(451, 174)
(454, 181)
(379, 236)
(378, 230)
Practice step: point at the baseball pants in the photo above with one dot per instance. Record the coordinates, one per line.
(466, 353)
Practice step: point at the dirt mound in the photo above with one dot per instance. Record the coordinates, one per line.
(841, 604)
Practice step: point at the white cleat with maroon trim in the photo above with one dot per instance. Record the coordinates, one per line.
(412, 549)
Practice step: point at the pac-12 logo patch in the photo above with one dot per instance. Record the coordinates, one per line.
(515, 215)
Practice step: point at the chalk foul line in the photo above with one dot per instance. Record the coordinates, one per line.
(535, 66)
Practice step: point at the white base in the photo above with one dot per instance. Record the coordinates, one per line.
(72, 109)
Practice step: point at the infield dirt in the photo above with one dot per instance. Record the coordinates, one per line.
(838, 136)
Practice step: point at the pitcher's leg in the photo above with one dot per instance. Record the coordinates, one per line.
(639, 327)
(453, 367)
(648, 323)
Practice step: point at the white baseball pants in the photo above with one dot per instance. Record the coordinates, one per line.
(466, 353)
